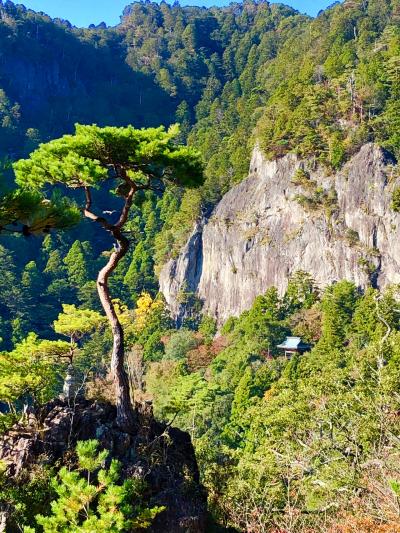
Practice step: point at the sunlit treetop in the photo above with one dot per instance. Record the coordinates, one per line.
(31, 369)
(76, 323)
(93, 154)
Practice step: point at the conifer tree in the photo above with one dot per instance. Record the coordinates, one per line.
(338, 305)
(31, 370)
(129, 160)
(77, 263)
(75, 323)
(93, 499)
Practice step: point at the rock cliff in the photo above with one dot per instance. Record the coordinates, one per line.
(162, 456)
(288, 216)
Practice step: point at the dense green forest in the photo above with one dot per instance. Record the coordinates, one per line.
(317, 87)
(306, 444)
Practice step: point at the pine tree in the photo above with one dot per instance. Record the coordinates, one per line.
(30, 213)
(31, 371)
(77, 262)
(139, 160)
(75, 324)
(94, 499)
(338, 305)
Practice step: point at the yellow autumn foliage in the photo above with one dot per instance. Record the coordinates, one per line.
(145, 308)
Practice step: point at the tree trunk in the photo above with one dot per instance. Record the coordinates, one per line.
(125, 413)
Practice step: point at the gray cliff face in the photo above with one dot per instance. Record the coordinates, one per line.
(343, 227)
(182, 275)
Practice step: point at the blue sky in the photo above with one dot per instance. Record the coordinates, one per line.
(85, 12)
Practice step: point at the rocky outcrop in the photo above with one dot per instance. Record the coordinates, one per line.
(181, 277)
(162, 456)
(287, 216)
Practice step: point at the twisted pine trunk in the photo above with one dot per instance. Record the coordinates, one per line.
(125, 413)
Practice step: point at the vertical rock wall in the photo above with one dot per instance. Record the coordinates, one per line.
(282, 219)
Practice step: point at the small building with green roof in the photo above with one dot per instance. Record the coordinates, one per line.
(294, 345)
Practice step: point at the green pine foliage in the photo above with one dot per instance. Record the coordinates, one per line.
(93, 498)
(342, 89)
(31, 372)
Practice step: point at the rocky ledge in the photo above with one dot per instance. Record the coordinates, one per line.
(161, 455)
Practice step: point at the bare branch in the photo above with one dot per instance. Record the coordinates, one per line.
(92, 216)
